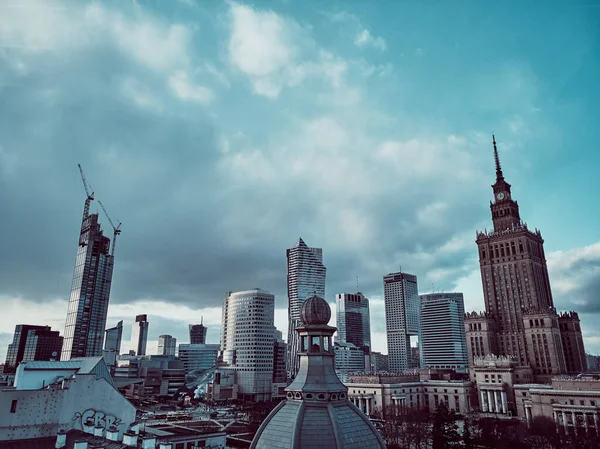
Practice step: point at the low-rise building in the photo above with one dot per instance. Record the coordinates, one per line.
(54, 395)
(198, 357)
(378, 395)
(141, 377)
(571, 401)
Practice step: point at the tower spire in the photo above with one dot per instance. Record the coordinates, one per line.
(499, 175)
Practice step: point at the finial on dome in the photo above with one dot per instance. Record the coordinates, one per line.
(315, 310)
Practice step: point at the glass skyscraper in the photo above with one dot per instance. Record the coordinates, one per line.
(305, 278)
(443, 341)
(32, 343)
(401, 296)
(90, 292)
(112, 344)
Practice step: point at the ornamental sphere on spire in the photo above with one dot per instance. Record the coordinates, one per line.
(315, 310)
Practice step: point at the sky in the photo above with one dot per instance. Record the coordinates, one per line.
(219, 132)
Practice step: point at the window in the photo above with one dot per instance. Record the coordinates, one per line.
(13, 406)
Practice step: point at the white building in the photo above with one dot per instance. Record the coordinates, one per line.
(198, 357)
(247, 341)
(443, 341)
(52, 396)
(401, 296)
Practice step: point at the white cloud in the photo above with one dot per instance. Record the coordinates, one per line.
(187, 91)
(276, 52)
(140, 95)
(365, 39)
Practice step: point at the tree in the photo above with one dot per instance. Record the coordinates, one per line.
(445, 431)
(467, 434)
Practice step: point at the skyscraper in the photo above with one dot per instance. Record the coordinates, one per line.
(166, 345)
(90, 292)
(353, 320)
(32, 343)
(354, 323)
(443, 340)
(305, 278)
(112, 344)
(247, 341)
(401, 297)
(520, 318)
(139, 334)
(197, 334)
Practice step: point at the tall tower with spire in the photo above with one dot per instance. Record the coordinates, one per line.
(520, 319)
(305, 278)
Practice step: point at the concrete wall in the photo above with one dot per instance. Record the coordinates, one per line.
(40, 413)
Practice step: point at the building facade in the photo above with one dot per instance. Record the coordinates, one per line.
(279, 358)
(139, 334)
(573, 402)
(401, 296)
(348, 359)
(305, 277)
(166, 345)
(32, 343)
(443, 339)
(247, 342)
(517, 294)
(380, 396)
(90, 292)
(572, 342)
(354, 322)
(112, 344)
(197, 334)
(198, 357)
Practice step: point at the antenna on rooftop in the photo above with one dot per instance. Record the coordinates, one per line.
(357, 290)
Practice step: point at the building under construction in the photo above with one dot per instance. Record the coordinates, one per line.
(90, 290)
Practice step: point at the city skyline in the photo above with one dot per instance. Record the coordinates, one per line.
(343, 97)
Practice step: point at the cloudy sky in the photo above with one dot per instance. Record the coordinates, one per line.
(219, 132)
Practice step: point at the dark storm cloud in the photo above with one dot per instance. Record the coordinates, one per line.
(584, 297)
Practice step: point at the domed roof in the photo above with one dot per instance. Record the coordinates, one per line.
(315, 310)
(320, 424)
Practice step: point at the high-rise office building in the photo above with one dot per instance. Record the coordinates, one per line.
(401, 297)
(32, 343)
(354, 322)
(520, 319)
(279, 358)
(305, 278)
(166, 345)
(90, 291)
(139, 334)
(247, 341)
(112, 344)
(198, 356)
(197, 334)
(442, 336)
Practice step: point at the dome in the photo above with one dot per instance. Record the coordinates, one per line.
(315, 310)
(320, 424)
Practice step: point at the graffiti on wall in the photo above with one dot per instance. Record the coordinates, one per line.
(97, 418)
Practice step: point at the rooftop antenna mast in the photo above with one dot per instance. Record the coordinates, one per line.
(86, 208)
(357, 290)
(116, 229)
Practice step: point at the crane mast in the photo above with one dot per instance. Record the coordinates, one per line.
(90, 196)
(86, 208)
(116, 229)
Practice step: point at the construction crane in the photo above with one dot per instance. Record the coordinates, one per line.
(86, 209)
(90, 196)
(116, 229)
